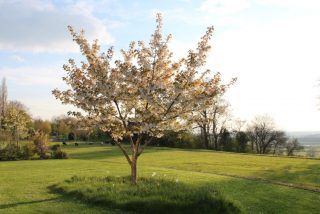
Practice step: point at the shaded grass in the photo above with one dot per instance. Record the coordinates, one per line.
(5, 206)
(149, 196)
(91, 152)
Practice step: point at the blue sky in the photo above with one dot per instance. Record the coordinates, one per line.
(272, 46)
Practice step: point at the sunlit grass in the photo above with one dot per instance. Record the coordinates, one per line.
(25, 184)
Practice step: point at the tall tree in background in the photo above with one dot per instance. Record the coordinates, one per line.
(63, 125)
(63, 130)
(3, 101)
(43, 126)
(220, 116)
(204, 124)
(213, 122)
(279, 143)
(241, 139)
(225, 140)
(142, 95)
(16, 120)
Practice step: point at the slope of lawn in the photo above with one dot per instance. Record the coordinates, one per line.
(24, 185)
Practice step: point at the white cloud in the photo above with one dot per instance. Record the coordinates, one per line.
(180, 49)
(224, 6)
(40, 26)
(298, 4)
(276, 62)
(33, 85)
(46, 108)
(18, 58)
(277, 66)
(33, 76)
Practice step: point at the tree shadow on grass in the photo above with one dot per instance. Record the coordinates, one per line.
(107, 152)
(94, 155)
(6, 206)
(149, 196)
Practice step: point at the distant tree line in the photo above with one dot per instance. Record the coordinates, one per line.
(214, 129)
(16, 125)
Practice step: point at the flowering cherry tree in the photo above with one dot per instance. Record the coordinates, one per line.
(143, 94)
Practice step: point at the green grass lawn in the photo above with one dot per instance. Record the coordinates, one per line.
(24, 185)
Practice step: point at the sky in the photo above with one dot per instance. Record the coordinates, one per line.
(271, 46)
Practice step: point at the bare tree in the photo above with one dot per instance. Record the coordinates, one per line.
(238, 125)
(279, 142)
(263, 135)
(291, 145)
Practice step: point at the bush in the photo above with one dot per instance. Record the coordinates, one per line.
(10, 152)
(2, 154)
(55, 147)
(150, 195)
(188, 140)
(181, 139)
(41, 143)
(59, 154)
(28, 151)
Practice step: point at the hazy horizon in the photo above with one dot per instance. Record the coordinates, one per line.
(271, 46)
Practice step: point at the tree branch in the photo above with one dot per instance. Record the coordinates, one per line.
(123, 122)
(171, 104)
(119, 112)
(124, 152)
(144, 146)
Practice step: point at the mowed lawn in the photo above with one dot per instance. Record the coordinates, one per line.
(247, 180)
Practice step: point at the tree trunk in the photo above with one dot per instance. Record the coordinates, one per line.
(275, 148)
(257, 147)
(215, 141)
(252, 149)
(134, 171)
(205, 135)
(134, 159)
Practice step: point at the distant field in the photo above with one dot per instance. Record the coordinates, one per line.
(310, 141)
(309, 150)
(257, 184)
(311, 147)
